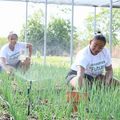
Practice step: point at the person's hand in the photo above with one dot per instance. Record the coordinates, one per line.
(28, 58)
(107, 82)
(22, 58)
(9, 69)
(25, 59)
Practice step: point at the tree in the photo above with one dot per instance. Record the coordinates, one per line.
(35, 31)
(58, 34)
(102, 20)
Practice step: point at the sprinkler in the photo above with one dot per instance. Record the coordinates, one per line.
(28, 94)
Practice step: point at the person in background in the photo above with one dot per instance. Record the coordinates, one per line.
(92, 63)
(10, 54)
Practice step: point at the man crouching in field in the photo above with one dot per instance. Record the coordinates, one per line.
(10, 54)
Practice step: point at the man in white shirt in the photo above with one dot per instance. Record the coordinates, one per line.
(10, 53)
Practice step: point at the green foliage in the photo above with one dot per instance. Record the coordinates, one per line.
(11, 96)
(59, 31)
(58, 34)
(102, 24)
(35, 30)
(53, 60)
(48, 96)
(2, 41)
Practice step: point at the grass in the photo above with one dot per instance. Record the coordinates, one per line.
(47, 98)
(53, 60)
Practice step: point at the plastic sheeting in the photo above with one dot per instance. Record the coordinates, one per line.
(94, 3)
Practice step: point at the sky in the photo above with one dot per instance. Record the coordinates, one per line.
(13, 15)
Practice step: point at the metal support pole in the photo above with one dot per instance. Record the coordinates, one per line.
(26, 24)
(45, 32)
(71, 41)
(110, 28)
(94, 20)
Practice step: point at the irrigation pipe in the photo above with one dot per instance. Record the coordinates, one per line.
(28, 94)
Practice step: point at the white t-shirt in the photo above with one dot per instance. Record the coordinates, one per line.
(93, 64)
(12, 57)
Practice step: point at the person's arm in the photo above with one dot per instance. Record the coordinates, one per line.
(80, 75)
(108, 68)
(3, 61)
(108, 74)
(6, 67)
(29, 46)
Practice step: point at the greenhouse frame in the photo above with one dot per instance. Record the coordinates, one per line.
(91, 3)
